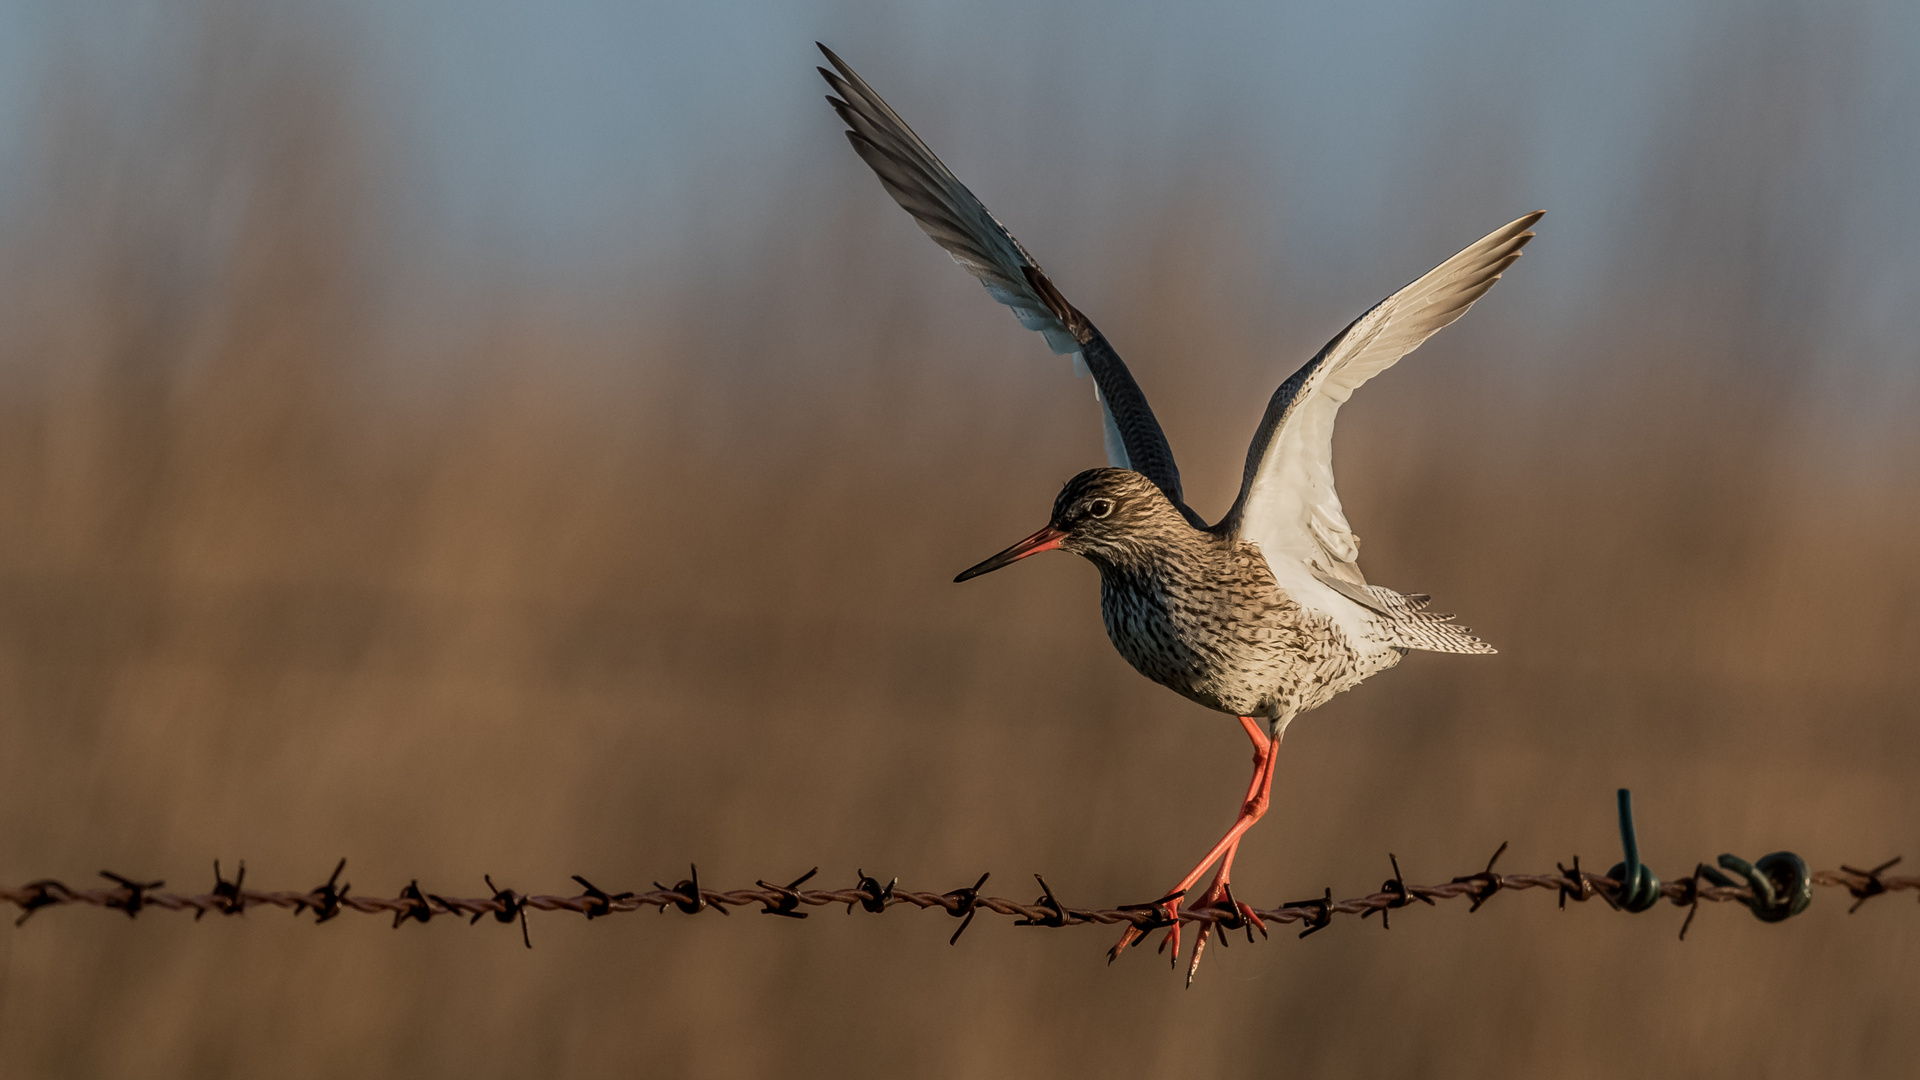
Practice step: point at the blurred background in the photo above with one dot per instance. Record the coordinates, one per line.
(522, 438)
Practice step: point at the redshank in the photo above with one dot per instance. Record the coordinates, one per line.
(1264, 614)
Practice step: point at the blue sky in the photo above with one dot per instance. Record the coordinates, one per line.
(569, 133)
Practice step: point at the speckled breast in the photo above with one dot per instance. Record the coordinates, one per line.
(1231, 640)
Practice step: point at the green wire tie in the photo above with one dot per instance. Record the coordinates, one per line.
(1639, 888)
(1781, 884)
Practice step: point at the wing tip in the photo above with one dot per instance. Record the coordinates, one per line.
(1516, 232)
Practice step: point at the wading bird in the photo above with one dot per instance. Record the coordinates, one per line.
(1264, 614)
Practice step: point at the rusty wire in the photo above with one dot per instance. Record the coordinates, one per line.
(333, 898)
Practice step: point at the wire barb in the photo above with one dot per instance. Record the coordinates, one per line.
(1574, 884)
(966, 902)
(326, 899)
(1323, 912)
(511, 905)
(600, 903)
(230, 899)
(1871, 887)
(1486, 881)
(1058, 915)
(789, 902)
(38, 894)
(873, 895)
(1689, 896)
(416, 905)
(1396, 886)
(136, 893)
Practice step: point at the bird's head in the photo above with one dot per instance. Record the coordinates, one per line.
(1112, 516)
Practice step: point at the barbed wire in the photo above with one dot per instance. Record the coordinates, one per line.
(1775, 888)
(505, 905)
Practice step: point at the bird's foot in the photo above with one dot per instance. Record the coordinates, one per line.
(1162, 912)
(1230, 914)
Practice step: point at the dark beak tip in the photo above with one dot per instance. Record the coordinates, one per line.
(972, 572)
(1046, 539)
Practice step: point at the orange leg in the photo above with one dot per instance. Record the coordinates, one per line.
(1251, 810)
(1218, 895)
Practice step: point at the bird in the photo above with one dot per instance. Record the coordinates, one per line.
(1264, 614)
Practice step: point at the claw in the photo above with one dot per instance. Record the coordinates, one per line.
(1165, 911)
(1232, 915)
(1244, 916)
(1199, 947)
(1254, 922)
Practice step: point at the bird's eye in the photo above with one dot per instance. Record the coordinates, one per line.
(1099, 508)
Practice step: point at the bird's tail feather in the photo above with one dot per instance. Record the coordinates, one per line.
(1410, 625)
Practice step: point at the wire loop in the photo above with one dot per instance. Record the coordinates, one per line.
(1638, 888)
(1781, 883)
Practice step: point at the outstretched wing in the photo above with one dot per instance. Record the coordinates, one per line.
(1287, 503)
(948, 212)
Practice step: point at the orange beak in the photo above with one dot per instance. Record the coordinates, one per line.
(1045, 540)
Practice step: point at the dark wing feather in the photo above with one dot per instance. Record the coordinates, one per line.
(949, 213)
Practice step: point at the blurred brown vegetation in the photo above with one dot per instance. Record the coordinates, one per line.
(300, 557)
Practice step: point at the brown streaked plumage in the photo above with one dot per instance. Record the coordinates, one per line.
(1198, 611)
(1265, 614)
